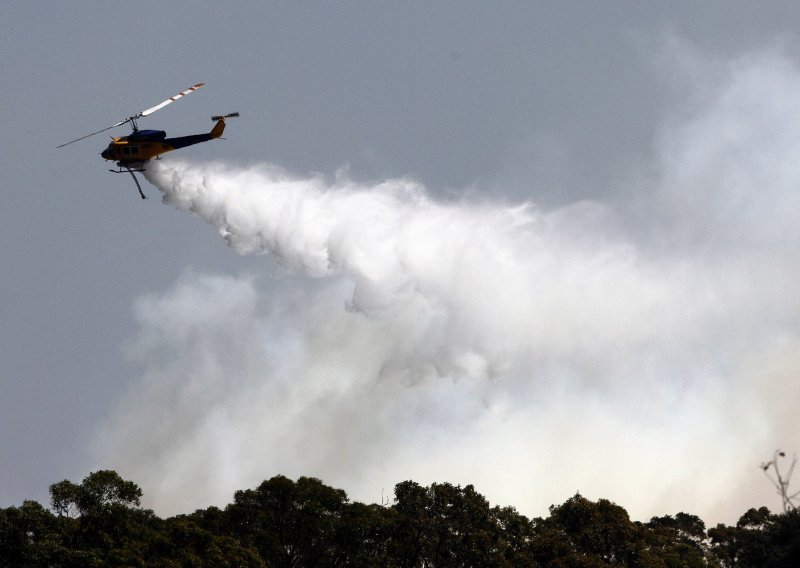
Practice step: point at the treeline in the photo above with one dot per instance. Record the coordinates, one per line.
(285, 523)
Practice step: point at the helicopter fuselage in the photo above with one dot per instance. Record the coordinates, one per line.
(142, 145)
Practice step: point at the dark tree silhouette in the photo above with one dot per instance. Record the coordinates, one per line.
(305, 523)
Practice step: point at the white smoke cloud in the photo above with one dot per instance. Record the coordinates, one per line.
(643, 352)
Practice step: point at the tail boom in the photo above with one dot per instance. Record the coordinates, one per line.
(216, 132)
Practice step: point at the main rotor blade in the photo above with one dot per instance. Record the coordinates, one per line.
(93, 133)
(151, 110)
(170, 100)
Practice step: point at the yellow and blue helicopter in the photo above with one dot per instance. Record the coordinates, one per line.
(132, 152)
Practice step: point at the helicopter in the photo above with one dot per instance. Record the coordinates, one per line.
(134, 151)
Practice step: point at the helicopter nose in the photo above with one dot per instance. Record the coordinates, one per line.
(104, 154)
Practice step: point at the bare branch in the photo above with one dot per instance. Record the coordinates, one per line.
(780, 481)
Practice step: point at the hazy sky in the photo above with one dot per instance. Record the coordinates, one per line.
(538, 247)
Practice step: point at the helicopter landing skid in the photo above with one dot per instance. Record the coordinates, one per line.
(136, 181)
(123, 169)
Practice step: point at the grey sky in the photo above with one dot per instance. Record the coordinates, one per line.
(544, 102)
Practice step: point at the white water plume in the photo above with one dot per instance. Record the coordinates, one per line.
(469, 289)
(532, 353)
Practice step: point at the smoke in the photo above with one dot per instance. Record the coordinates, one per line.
(643, 350)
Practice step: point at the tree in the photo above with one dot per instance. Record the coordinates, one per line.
(363, 536)
(305, 523)
(101, 516)
(676, 541)
(100, 490)
(759, 538)
(784, 540)
(602, 529)
(516, 535)
(411, 530)
(30, 536)
(184, 542)
(289, 523)
(447, 525)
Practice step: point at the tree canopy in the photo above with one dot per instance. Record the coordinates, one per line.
(286, 523)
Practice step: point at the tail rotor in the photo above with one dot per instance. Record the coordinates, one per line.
(221, 116)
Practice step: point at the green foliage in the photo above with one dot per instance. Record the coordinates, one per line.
(760, 538)
(305, 523)
(100, 490)
(446, 525)
(676, 542)
(29, 536)
(289, 523)
(600, 529)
